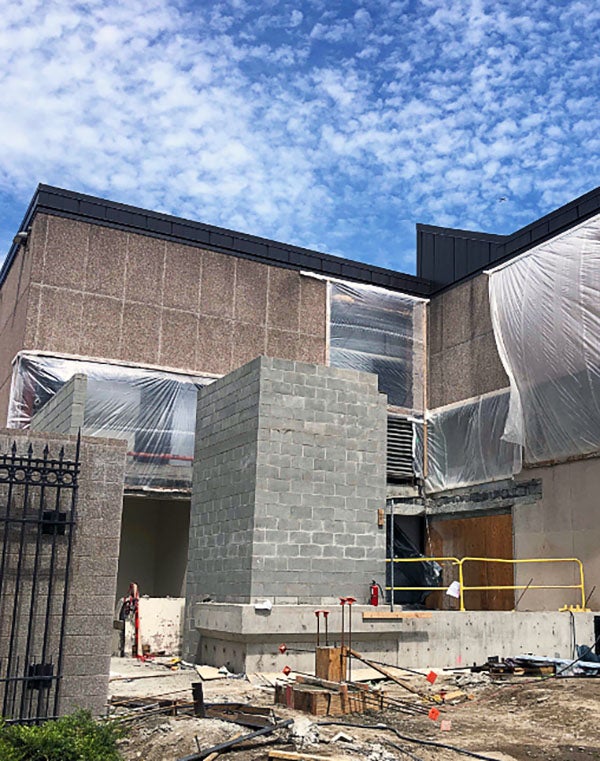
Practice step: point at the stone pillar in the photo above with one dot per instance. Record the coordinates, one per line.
(95, 551)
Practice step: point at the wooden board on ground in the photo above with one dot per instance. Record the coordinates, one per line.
(366, 674)
(209, 673)
(270, 678)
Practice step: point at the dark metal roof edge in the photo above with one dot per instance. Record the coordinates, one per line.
(459, 233)
(66, 203)
(14, 248)
(549, 226)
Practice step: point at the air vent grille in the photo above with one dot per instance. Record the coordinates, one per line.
(399, 449)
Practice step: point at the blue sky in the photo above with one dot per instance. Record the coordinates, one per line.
(335, 125)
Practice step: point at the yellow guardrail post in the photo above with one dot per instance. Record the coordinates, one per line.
(461, 580)
(580, 586)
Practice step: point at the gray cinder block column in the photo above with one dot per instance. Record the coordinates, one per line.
(290, 470)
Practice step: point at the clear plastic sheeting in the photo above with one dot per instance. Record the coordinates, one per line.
(545, 310)
(465, 444)
(381, 332)
(418, 453)
(154, 411)
(426, 574)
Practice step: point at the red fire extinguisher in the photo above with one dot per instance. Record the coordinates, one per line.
(374, 593)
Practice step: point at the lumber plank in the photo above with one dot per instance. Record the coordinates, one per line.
(383, 671)
(316, 682)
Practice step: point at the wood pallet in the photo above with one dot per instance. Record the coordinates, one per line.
(335, 700)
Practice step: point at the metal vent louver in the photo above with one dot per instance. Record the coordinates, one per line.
(399, 449)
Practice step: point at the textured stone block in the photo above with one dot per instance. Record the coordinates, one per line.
(101, 325)
(145, 270)
(65, 253)
(178, 339)
(106, 262)
(140, 335)
(183, 276)
(284, 299)
(217, 287)
(60, 320)
(251, 292)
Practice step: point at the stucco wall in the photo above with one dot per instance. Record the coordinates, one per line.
(463, 360)
(565, 522)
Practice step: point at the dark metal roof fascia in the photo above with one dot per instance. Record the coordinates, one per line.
(13, 250)
(66, 203)
(506, 247)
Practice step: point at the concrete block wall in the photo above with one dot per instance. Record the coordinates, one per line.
(64, 412)
(222, 507)
(91, 595)
(289, 473)
(320, 478)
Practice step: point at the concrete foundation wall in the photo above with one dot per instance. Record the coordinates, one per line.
(564, 522)
(91, 596)
(463, 359)
(289, 473)
(64, 412)
(245, 640)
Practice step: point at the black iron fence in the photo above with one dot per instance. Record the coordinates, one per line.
(38, 497)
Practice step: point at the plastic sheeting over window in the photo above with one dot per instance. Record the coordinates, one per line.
(465, 445)
(381, 332)
(154, 411)
(545, 310)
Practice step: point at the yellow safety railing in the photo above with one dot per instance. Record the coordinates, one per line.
(463, 588)
(461, 561)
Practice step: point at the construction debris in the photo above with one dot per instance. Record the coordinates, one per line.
(241, 713)
(286, 755)
(216, 749)
(208, 673)
(535, 665)
(304, 733)
(328, 698)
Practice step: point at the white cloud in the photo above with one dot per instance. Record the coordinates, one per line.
(302, 122)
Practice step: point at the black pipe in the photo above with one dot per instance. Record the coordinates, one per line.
(236, 740)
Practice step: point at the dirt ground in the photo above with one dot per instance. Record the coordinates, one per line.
(523, 720)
